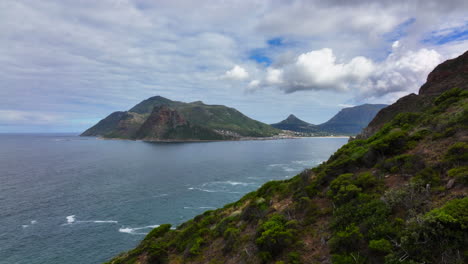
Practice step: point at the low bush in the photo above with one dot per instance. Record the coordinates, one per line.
(275, 234)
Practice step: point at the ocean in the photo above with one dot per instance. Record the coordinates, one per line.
(70, 199)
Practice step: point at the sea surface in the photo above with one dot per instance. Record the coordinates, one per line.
(69, 199)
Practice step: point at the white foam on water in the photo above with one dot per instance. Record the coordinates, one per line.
(70, 219)
(210, 191)
(160, 195)
(25, 226)
(127, 230)
(134, 230)
(234, 183)
(276, 165)
(33, 222)
(200, 207)
(100, 221)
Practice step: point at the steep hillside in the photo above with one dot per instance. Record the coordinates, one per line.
(396, 196)
(349, 121)
(148, 121)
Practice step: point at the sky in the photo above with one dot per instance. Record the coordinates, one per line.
(66, 64)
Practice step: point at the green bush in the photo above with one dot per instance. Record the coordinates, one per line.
(343, 189)
(346, 240)
(380, 246)
(275, 234)
(158, 232)
(294, 258)
(427, 176)
(195, 248)
(460, 174)
(366, 180)
(440, 232)
(404, 163)
(457, 153)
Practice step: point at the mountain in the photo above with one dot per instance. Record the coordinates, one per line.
(349, 121)
(397, 195)
(158, 118)
(293, 123)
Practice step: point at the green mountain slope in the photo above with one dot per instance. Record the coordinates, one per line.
(349, 121)
(195, 121)
(398, 195)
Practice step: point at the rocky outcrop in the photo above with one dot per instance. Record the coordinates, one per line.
(162, 120)
(450, 74)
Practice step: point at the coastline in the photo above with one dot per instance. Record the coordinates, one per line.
(225, 140)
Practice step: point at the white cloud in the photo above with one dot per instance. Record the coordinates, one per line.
(401, 71)
(254, 83)
(318, 70)
(236, 73)
(274, 76)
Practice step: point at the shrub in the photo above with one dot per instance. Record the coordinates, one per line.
(457, 153)
(275, 234)
(294, 258)
(346, 240)
(404, 163)
(460, 174)
(427, 176)
(440, 232)
(195, 248)
(342, 189)
(158, 232)
(366, 180)
(380, 246)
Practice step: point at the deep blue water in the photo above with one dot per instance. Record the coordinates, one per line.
(66, 199)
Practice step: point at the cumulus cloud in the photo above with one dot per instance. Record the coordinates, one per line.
(236, 73)
(401, 71)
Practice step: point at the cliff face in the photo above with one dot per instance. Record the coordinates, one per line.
(398, 196)
(450, 74)
(160, 122)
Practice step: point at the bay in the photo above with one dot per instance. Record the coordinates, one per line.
(70, 199)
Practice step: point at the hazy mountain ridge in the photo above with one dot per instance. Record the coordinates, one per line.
(158, 118)
(397, 196)
(348, 121)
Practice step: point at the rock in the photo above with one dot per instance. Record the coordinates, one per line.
(450, 184)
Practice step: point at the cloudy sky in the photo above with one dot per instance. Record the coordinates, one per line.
(65, 64)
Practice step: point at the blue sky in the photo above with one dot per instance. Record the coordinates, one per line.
(64, 64)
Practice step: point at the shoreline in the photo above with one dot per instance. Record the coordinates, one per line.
(224, 140)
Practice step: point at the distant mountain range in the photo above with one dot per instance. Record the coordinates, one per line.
(158, 118)
(349, 121)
